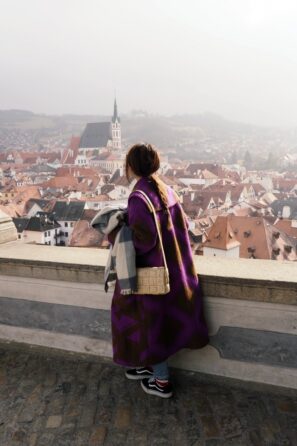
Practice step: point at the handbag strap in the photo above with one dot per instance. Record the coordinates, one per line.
(152, 209)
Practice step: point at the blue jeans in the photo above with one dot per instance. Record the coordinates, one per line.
(161, 370)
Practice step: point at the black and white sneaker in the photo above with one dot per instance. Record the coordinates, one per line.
(139, 373)
(152, 387)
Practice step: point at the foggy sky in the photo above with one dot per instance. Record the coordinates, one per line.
(237, 58)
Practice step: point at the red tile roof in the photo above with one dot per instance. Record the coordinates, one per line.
(221, 235)
(287, 226)
(71, 152)
(258, 239)
(61, 182)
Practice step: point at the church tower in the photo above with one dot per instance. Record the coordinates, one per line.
(116, 128)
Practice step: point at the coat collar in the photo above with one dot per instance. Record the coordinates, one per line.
(145, 184)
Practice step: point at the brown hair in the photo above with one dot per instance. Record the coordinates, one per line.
(144, 161)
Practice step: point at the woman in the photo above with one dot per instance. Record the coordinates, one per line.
(148, 329)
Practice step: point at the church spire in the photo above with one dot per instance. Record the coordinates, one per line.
(115, 112)
(116, 127)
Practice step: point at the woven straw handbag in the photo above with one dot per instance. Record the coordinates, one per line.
(153, 280)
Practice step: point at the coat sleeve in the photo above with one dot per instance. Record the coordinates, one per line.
(143, 226)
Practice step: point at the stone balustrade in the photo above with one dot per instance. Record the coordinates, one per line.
(53, 297)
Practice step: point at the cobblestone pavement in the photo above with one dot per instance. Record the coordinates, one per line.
(66, 401)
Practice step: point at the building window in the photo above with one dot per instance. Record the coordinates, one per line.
(66, 234)
(66, 225)
(19, 236)
(71, 224)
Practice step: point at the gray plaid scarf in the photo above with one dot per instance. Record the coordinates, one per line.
(121, 260)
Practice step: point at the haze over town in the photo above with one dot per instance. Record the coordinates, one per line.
(234, 58)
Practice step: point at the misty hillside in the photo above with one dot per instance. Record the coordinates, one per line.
(185, 131)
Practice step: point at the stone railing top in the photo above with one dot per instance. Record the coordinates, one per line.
(265, 280)
(53, 254)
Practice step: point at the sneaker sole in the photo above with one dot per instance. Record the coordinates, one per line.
(138, 377)
(156, 393)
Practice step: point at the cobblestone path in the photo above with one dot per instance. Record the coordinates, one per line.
(57, 401)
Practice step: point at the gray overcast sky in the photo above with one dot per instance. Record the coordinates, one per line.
(237, 58)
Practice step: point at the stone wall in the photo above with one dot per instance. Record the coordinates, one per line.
(53, 297)
(8, 230)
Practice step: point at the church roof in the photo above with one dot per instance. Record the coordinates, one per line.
(96, 134)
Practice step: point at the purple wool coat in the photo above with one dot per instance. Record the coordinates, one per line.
(147, 329)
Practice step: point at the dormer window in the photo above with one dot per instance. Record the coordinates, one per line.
(276, 251)
(251, 249)
(288, 248)
(276, 234)
(247, 234)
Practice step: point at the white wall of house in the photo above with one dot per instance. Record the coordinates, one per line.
(90, 150)
(242, 197)
(55, 164)
(81, 160)
(109, 165)
(214, 252)
(67, 229)
(235, 168)
(228, 202)
(42, 178)
(49, 236)
(98, 205)
(267, 183)
(76, 195)
(191, 224)
(209, 181)
(164, 166)
(11, 158)
(119, 192)
(44, 238)
(188, 181)
(286, 211)
(116, 164)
